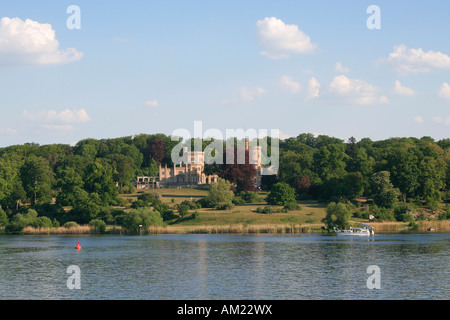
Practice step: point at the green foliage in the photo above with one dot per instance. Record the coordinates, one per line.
(250, 197)
(98, 225)
(3, 218)
(281, 194)
(21, 220)
(144, 217)
(384, 193)
(338, 215)
(220, 193)
(43, 222)
(70, 224)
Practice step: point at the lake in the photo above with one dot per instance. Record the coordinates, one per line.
(223, 267)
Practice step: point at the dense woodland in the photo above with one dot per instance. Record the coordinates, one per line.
(82, 183)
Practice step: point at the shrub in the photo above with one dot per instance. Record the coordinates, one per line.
(43, 222)
(98, 225)
(70, 224)
(250, 197)
(142, 216)
(338, 215)
(205, 202)
(183, 209)
(225, 206)
(292, 206)
(281, 194)
(266, 209)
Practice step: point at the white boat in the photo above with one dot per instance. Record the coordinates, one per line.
(364, 230)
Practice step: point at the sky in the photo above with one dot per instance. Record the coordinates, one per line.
(108, 69)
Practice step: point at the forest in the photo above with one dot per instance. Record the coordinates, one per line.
(82, 183)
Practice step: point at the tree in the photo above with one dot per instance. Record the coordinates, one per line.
(37, 178)
(67, 181)
(383, 192)
(99, 180)
(281, 194)
(338, 216)
(157, 150)
(143, 217)
(3, 218)
(220, 193)
(330, 161)
(241, 175)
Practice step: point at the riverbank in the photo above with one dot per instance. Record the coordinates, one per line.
(380, 227)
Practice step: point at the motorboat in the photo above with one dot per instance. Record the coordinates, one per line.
(363, 230)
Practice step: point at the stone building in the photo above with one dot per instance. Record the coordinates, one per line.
(192, 174)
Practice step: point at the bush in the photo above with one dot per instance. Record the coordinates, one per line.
(281, 194)
(266, 209)
(98, 225)
(21, 220)
(144, 217)
(250, 197)
(70, 224)
(225, 206)
(292, 206)
(43, 222)
(195, 215)
(338, 215)
(238, 200)
(205, 202)
(183, 209)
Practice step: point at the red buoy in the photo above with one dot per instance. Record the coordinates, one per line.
(78, 247)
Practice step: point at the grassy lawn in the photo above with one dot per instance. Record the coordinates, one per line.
(311, 212)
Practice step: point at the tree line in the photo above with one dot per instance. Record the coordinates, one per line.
(88, 177)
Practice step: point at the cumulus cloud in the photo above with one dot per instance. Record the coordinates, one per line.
(31, 42)
(340, 68)
(407, 60)
(245, 94)
(356, 91)
(53, 117)
(418, 119)
(442, 120)
(444, 91)
(402, 90)
(151, 103)
(313, 89)
(281, 40)
(287, 84)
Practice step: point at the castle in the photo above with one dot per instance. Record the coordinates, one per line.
(192, 174)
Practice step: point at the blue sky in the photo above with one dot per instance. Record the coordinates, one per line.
(156, 66)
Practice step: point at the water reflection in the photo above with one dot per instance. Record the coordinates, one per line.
(305, 266)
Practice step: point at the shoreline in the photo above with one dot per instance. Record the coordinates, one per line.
(438, 226)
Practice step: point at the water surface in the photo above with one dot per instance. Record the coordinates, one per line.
(182, 267)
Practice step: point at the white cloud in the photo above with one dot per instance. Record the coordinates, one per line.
(356, 91)
(313, 89)
(441, 120)
(151, 103)
(406, 60)
(402, 90)
(444, 91)
(339, 67)
(53, 117)
(245, 94)
(418, 119)
(288, 85)
(8, 131)
(282, 39)
(31, 42)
